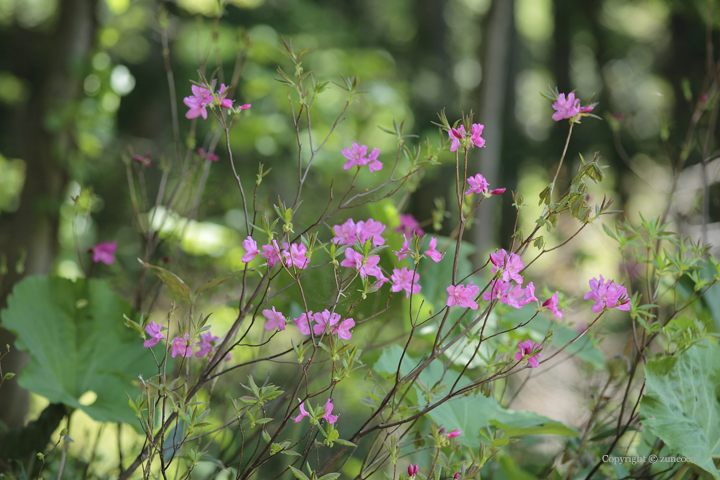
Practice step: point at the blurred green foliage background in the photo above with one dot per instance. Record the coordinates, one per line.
(83, 82)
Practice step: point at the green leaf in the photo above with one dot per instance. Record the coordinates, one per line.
(74, 351)
(177, 287)
(681, 407)
(298, 474)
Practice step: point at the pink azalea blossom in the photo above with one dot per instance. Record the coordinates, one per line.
(552, 304)
(271, 252)
(526, 348)
(345, 234)
(224, 102)
(328, 412)
(432, 253)
(303, 322)
(371, 229)
(251, 249)
(205, 343)
(610, 295)
(182, 346)
(275, 320)
(352, 259)
(510, 265)
(478, 184)
(453, 434)
(566, 108)
(373, 163)
(412, 471)
(104, 252)
(342, 330)
(303, 412)
(510, 294)
(404, 279)
(296, 256)
(463, 296)
(404, 250)
(475, 131)
(324, 321)
(409, 226)
(456, 134)
(154, 330)
(200, 99)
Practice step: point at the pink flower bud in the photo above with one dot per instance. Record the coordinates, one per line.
(456, 476)
(412, 471)
(497, 191)
(453, 434)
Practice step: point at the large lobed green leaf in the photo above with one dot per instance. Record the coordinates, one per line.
(681, 405)
(473, 412)
(78, 343)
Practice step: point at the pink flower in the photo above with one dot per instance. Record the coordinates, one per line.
(526, 348)
(412, 471)
(404, 279)
(201, 98)
(610, 295)
(275, 320)
(510, 265)
(271, 252)
(456, 476)
(352, 259)
(432, 253)
(373, 163)
(181, 346)
(297, 256)
(510, 294)
(456, 134)
(408, 225)
(328, 411)
(404, 250)
(566, 108)
(463, 296)
(478, 184)
(224, 102)
(453, 434)
(303, 322)
(357, 157)
(366, 266)
(244, 107)
(497, 191)
(251, 249)
(552, 304)
(371, 229)
(343, 329)
(205, 343)
(325, 321)
(303, 412)
(476, 130)
(153, 329)
(143, 160)
(345, 234)
(104, 252)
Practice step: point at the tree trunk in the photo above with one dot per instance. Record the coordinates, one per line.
(31, 231)
(493, 100)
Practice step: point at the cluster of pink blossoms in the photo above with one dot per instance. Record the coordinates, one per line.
(320, 323)
(182, 345)
(607, 295)
(458, 134)
(569, 107)
(202, 98)
(526, 349)
(463, 296)
(350, 232)
(479, 185)
(513, 294)
(295, 255)
(327, 416)
(357, 156)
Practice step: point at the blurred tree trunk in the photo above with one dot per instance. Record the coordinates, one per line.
(42, 137)
(497, 37)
